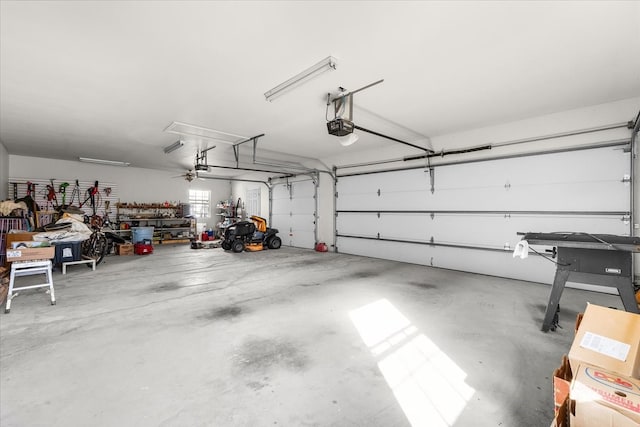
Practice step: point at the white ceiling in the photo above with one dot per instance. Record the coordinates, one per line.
(104, 79)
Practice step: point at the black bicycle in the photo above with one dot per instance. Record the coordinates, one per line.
(95, 247)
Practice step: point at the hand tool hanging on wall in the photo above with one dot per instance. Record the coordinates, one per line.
(62, 189)
(92, 193)
(52, 199)
(75, 193)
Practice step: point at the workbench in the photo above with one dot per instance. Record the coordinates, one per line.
(599, 259)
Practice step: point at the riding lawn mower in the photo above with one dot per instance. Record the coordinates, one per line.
(251, 235)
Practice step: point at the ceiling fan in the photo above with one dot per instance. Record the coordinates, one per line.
(188, 176)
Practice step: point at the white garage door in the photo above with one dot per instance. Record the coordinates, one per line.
(293, 211)
(471, 219)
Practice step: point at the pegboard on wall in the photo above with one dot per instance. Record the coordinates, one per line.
(17, 188)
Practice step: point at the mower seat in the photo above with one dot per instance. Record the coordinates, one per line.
(261, 223)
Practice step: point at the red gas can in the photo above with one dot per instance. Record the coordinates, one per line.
(321, 247)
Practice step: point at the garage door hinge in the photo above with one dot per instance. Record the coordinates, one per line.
(378, 236)
(378, 214)
(433, 215)
(626, 219)
(431, 240)
(626, 178)
(507, 215)
(378, 192)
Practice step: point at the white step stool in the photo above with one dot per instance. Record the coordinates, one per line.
(28, 268)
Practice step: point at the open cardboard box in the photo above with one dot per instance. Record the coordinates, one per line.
(562, 377)
(26, 254)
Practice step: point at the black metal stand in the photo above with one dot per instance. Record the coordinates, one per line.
(602, 260)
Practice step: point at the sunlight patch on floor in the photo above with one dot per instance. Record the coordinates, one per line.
(428, 385)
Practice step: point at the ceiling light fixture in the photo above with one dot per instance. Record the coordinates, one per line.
(329, 63)
(347, 140)
(173, 147)
(182, 129)
(103, 162)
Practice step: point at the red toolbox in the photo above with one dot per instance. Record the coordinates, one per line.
(142, 249)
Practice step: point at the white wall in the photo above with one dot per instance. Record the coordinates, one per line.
(588, 117)
(134, 184)
(4, 171)
(239, 190)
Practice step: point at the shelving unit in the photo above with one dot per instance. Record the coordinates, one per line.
(226, 214)
(166, 219)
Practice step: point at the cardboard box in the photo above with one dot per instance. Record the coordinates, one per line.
(30, 254)
(608, 338)
(604, 399)
(561, 419)
(24, 236)
(562, 377)
(124, 249)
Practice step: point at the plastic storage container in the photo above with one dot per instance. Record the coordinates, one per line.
(67, 251)
(140, 234)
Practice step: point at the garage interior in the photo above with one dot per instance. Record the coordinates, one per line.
(401, 149)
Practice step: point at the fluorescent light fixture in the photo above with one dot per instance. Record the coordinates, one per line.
(179, 128)
(173, 147)
(329, 63)
(348, 140)
(103, 162)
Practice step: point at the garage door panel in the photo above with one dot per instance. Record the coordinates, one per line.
(484, 262)
(358, 225)
(495, 231)
(579, 183)
(280, 191)
(478, 230)
(293, 213)
(388, 226)
(279, 209)
(415, 254)
(302, 222)
(281, 222)
(303, 206)
(302, 239)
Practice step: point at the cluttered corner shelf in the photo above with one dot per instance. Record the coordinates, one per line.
(170, 222)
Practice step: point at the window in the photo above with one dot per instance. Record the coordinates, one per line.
(253, 202)
(200, 203)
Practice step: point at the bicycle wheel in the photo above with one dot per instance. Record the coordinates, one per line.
(95, 247)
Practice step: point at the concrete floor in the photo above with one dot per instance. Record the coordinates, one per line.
(289, 337)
